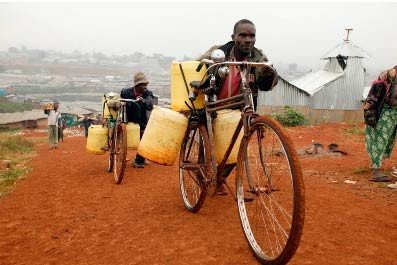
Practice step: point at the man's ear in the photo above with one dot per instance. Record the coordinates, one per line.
(232, 36)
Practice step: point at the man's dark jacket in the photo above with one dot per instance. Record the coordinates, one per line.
(137, 112)
(264, 80)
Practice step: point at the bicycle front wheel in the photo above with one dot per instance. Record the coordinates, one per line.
(270, 192)
(120, 152)
(194, 163)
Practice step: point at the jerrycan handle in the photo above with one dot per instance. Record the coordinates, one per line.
(184, 78)
(186, 86)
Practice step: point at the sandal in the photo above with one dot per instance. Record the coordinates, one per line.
(220, 190)
(379, 176)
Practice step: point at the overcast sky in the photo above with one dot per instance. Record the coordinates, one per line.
(289, 32)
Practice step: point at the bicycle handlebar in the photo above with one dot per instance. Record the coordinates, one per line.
(252, 64)
(234, 63)
(127, 100)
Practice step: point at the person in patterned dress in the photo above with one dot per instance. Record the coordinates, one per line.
(379, 139)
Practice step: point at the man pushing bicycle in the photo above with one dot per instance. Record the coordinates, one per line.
(241, 48)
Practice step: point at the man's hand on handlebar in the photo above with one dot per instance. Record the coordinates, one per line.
(266, 71)
(140, 99)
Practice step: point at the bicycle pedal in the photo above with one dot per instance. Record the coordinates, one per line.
(248, 198)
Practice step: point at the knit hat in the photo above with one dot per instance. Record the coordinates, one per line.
(140, 78)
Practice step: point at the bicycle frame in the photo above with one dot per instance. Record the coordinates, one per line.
(121, 117)
(244, 101)
(117, 137)
(269, 182)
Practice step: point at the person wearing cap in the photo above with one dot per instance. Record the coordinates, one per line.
(138, 113)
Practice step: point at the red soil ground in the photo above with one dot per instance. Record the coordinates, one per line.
(69, 211)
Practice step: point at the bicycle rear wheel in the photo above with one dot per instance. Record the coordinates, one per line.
(120, 152)
(270, 192)
(194, 163)
(111, 156)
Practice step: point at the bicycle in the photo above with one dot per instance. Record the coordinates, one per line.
(117, 136)
(269, 183)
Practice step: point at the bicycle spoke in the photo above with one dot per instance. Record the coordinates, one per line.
(120, 152)
(193, 158)
(266, 172)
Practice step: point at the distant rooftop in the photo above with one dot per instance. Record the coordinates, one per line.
(6, 118)
(346, 49)
(313, 82)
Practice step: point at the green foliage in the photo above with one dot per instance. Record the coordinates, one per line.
(6, 107)
(356, 130)
(14, 144)
(289, 117)
(15, 152)
(9, 177)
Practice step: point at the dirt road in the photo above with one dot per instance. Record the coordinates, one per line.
(69, 211)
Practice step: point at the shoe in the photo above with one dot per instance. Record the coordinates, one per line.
(379, 176)
(136, 165)
(220, 190)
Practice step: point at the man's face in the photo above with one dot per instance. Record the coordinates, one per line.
(140, 88)
(244, 38)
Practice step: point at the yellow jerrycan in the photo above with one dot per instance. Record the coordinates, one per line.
(224, 125)
(163, 136)
(179, 92)
(132, 135)
(97, 138)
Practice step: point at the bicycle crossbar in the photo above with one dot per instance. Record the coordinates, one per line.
(225, 100)
(228, 106)
(190, 166)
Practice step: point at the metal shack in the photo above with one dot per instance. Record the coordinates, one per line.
(333, 94)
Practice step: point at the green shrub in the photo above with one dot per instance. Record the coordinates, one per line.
(289, 117)
(355, 130)
(15, 152)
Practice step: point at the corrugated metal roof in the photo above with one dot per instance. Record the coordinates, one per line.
(346, 48)
(313, 82)
(6, 118)
(73, 110)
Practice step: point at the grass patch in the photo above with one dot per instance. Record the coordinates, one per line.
(15, 153)
(361, 170)
(8, 179)
(355, 130)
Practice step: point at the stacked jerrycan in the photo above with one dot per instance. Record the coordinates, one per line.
(224, 126)
(133, 135)
(97, 134)
(166, 127)
(163, 136)
(179, 90)
(97, 138)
